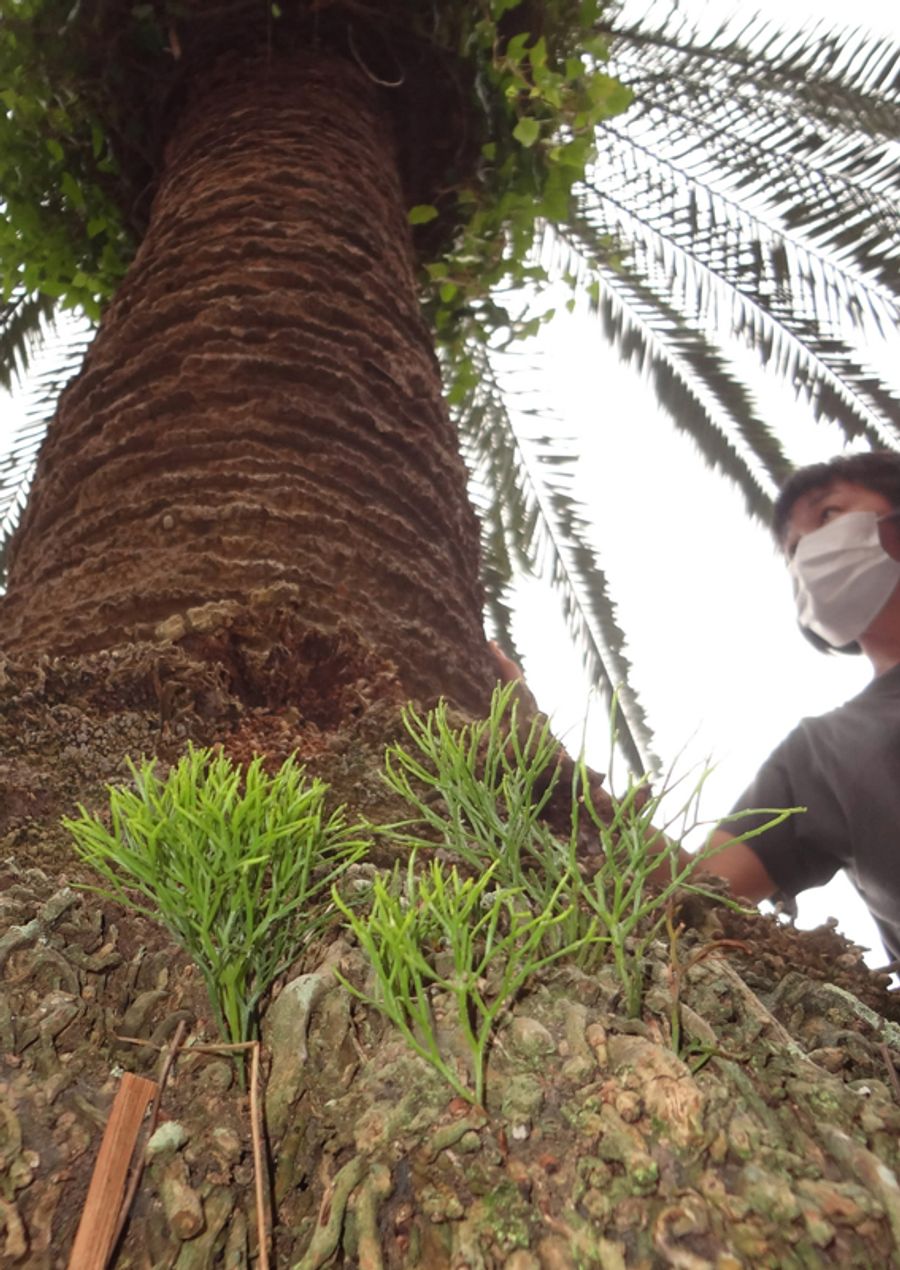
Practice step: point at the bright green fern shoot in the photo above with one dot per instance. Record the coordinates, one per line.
(627, 901)
(237, 865)
(479, 791)
(466, 938)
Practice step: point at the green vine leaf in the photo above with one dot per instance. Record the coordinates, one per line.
(527, 131)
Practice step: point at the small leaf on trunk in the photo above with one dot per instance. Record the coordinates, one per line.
(422, 213)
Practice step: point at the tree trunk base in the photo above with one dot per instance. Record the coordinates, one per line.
(769, 1140)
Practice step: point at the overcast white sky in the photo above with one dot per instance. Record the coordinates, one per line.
(716, 656)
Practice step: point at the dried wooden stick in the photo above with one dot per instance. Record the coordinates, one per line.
(194, 1049)
(256, 1122)
(135, 1182)
(258, 1160)
(97, 1229)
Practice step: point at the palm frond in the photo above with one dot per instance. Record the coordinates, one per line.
(801, 123)
(710, 306)
(64, 343)
(841, 205)
(843, 78)
(25, 319)
(691, 194)
(726, 269)
(531, 521)
(702, 393)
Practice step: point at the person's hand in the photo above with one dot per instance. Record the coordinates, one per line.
(560, 808)
(507, 670)
(509, 673)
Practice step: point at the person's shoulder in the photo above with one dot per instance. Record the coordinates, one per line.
(879, 699)
(884, 687)
(782, 754)
(877, 696)
(880, 693)
(806, 730)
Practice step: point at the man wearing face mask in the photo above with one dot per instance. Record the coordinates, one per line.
(838, 524)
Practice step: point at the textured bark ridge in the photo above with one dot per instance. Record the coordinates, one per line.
(260, 416)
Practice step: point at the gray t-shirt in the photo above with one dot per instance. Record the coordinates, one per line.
(844, 767)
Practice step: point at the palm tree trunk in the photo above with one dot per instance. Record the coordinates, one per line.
(259, 421)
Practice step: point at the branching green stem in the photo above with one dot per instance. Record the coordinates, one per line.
(238, 866)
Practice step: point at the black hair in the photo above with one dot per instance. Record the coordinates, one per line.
(877, 470)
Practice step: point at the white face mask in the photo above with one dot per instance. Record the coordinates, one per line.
(843, 577)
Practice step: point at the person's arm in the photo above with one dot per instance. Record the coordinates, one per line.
(733, 861)
(740, 866)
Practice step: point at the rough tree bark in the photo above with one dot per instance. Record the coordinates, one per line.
(249, 527)
(260, 418)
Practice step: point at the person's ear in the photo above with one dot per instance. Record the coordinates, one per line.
(889, 533)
